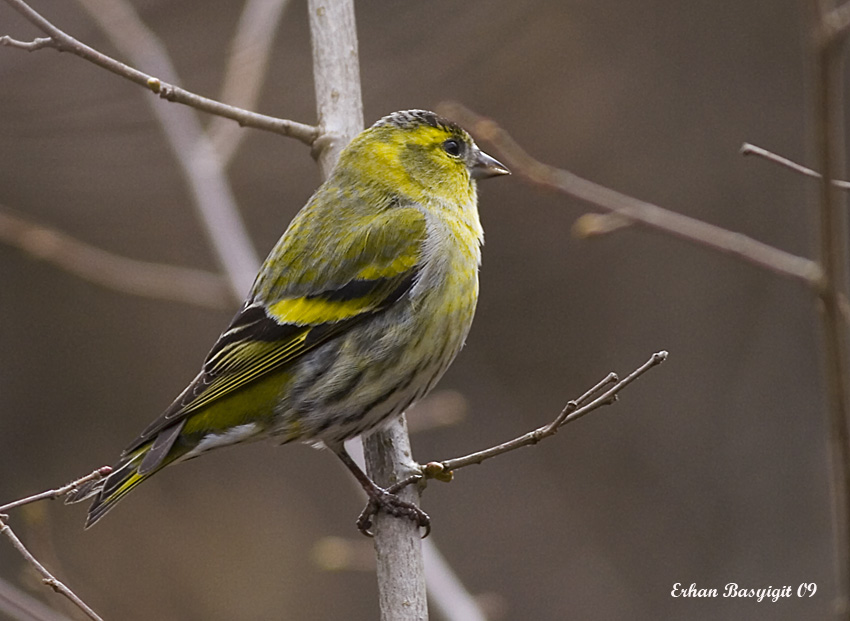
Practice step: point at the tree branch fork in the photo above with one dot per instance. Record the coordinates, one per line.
(61, 41)
(622, 210)
(603, 393)
(46, 577)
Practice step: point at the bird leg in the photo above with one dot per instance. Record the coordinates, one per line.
(381, 499)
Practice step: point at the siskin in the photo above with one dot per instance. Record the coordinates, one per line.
(356, 313)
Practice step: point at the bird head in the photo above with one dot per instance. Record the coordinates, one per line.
(422, 155)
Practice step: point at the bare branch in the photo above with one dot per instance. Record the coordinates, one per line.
(152, 280)
(59, 491)
(827, 124)
(203, 170)
(170, 92)
(751, 149)
(572, 411)
(336, 76)
(29, 46)
(451, 601)
(247, 64)
(632, 209)
(48, 578)
(21, 606)
(213, 197)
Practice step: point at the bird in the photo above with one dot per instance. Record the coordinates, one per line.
(357, 312)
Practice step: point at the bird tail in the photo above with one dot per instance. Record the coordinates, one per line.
(106, 492)
(141, 460)
(109, 490)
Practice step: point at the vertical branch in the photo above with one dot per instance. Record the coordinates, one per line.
(829, 145)
(398, 546)
(336, 74)
(401, 581)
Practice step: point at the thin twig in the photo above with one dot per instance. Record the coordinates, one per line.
(572, 411)
(751, 149)
(59, 491)
(63, 42)
(213, 197)
(247, 66)
(48, 578)
(17, 604)
(214, 201)
(142, 278)
(29, 46)
(632, 209)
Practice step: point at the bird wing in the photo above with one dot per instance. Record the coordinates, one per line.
(373, 267)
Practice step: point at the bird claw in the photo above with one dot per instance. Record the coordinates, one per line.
(389, 503)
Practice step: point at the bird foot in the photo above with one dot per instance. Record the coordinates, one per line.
(387, 501)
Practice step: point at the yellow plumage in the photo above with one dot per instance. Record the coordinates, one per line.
(356, 313)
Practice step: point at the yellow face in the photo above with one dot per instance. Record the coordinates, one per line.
(418, 155)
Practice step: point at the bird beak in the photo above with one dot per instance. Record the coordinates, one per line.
(486, 166)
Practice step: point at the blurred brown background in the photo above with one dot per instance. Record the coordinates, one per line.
(711, 469)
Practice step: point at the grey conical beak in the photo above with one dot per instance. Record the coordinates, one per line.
(486, 166)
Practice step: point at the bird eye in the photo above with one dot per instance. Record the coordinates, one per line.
(453, 147)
